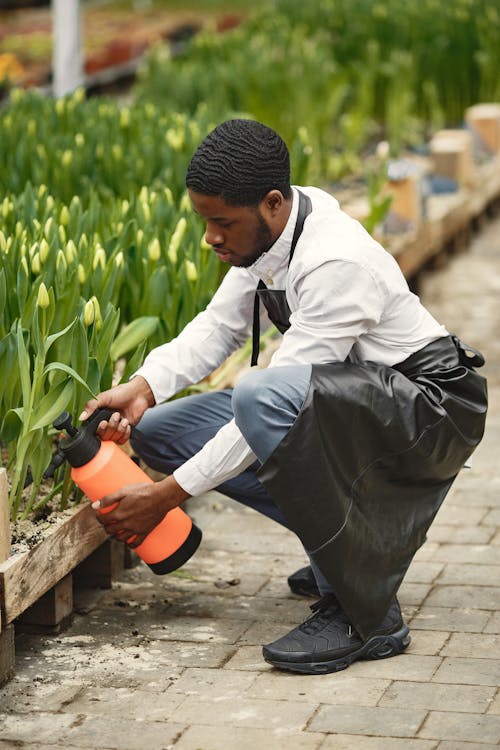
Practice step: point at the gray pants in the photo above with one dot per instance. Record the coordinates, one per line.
(265, 404)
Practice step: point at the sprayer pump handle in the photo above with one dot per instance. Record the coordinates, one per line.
(63, 422)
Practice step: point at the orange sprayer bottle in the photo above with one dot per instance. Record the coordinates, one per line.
(101, 467)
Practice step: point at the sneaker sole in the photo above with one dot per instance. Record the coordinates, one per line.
(376, 647)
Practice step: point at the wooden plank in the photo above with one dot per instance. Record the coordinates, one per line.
(7, 655)
(99, 569)
(4, 517)
(25, 577)
(52, 612)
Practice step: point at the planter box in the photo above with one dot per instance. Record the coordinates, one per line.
(27, 576)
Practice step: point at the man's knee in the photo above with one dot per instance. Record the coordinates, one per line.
(251, 394)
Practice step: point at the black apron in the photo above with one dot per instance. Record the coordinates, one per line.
(370, 458)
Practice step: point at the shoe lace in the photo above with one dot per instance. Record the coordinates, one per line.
(324, 610)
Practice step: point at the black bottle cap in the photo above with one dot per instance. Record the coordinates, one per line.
(82, 444)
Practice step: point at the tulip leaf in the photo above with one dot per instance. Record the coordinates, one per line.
(52, 404)
(69, 370)
(138, 331)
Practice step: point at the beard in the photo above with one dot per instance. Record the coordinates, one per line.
(262, 241)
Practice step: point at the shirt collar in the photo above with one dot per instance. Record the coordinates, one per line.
(272, 261)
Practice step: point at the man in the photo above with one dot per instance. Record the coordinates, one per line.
(353, 434)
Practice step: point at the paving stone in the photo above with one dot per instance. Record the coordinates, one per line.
(382, 722)
(212, 684)
(495, 705)
(475, 575)
(496, 539)
(427, 642)
(445, 618)
(359, 742)
(483, 495)
(280, 609)
(467, 698)
(248, 658)
(461, 534)
(17, 697)
(423, 572)
(340, 689)
(217, 738)
(39, 726)
(413, 593)
(480, 554)
(492, 518)
(478, 646)
(261, 544)
(120, 734)
(457, 515)
(463, 727)
(454, 745)
(198, 629)
(463, 671)
(119, 702)
(175, 654)
(475, 597)
(289, 717)
(426, 552)
(404, 667)
(493, 624)
(260, 632)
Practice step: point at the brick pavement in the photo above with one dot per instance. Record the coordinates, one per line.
(175, 662)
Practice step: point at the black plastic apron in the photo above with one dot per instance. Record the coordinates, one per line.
(366, 465)
(274, 300)
(370, 458)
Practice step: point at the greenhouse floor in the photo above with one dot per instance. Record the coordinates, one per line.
(175, 662)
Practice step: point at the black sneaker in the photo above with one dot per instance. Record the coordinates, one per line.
(303, 582)
(327, 642)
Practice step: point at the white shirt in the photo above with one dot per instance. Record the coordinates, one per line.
(347, 297)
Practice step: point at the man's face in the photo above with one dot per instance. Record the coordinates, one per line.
(238, 234)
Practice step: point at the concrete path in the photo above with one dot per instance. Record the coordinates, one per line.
(175, 662)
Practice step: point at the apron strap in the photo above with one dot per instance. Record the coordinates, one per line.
(305, 208)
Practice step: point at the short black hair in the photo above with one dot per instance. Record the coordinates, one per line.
(240, 161)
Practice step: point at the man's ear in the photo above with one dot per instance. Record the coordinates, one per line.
(272, 203)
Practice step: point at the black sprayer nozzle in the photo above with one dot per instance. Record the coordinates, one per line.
(63, 422)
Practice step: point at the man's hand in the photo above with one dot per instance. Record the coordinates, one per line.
(140, 507)
(130, 400)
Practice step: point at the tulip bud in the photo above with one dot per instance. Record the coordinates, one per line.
(97, 312)
(154, 250)
(71, 251)
(119, 227)
(3, 242)
(143, 194)
(117, 151)
(125, 117)
(24, 265)
(125, 207)
(60, 106)
(191, 271)
(42, 190)
(204, 244)
(49, 203)
(146, 211)
(88, 314)
(175, 139)
(43, 299)
(79, 95)
(82, 276)
(31, 127)
(169, 196)
(185, 204)
(119, 260)
(48, 226)
(62, 234)
(67, 158)
(61, 263)
(44, 250)
(99, 258)
(139, 237)
(64, 216)
(35, 264)
(80, 140)
(19, 229)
